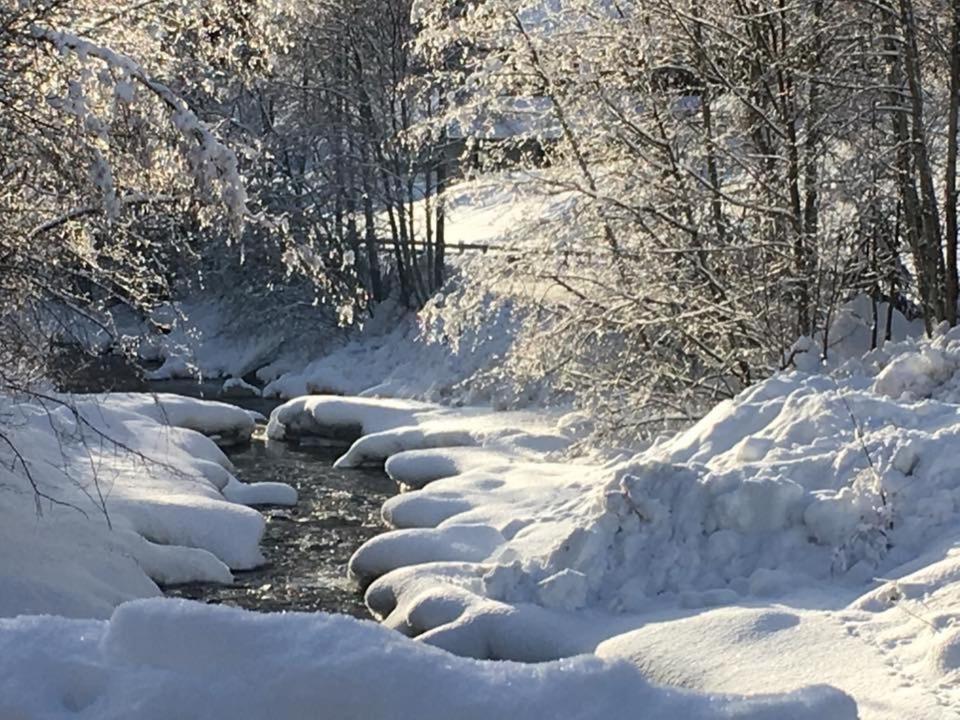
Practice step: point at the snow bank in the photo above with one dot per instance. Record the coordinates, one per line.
(802, 479)
(328, 415)
(221, 421)
(894, 649)
(778, 649)
(154, 659)
(209, 336)
(749, 533)
(126, 493)
(426, 355)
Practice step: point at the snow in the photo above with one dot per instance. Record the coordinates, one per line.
(413, 469)
(260, 493)
(222, 421)
(157, 656)
(724, 558)
(414, 546)
(213, 164)
(444, 352)
(162, 659)
(441, 354)
(132, 494)
(915, 374)
(412, 356)
(388, 426)
(774, 650)
(800, 534)
(209, 337)
(237, 387)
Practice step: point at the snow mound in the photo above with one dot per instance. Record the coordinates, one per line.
(915, 374)
(771, 650)
(413, 547)
(945, 654)
(417, 468)
(224, 422)
(799, 477)
(329, 415)
(153, 659)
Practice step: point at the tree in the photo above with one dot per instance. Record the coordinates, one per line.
(739, 170)
(102, 163)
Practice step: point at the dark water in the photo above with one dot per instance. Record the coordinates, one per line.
(307, 546)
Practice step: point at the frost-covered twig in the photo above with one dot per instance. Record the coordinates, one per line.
(77, 213)
(38, 492)
(212, 161)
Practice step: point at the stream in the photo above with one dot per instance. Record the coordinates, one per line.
(306, 546)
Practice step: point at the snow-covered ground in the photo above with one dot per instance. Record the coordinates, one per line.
(801, 533)
(172, 659)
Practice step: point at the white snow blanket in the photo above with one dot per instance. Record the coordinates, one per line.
(103, 495)
(175, 659)
(799, 510)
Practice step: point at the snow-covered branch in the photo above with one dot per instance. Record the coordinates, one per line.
(213, 164)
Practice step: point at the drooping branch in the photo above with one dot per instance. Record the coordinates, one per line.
(211, 160)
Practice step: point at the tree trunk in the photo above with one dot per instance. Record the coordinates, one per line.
(370, 235)
(440, 240)
(930, 239)
(950, 181)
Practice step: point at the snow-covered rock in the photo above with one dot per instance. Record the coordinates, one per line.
(237, 388)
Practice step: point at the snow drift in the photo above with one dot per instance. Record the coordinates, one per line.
(153, 659)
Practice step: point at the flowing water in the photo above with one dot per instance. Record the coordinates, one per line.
(307, 546)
